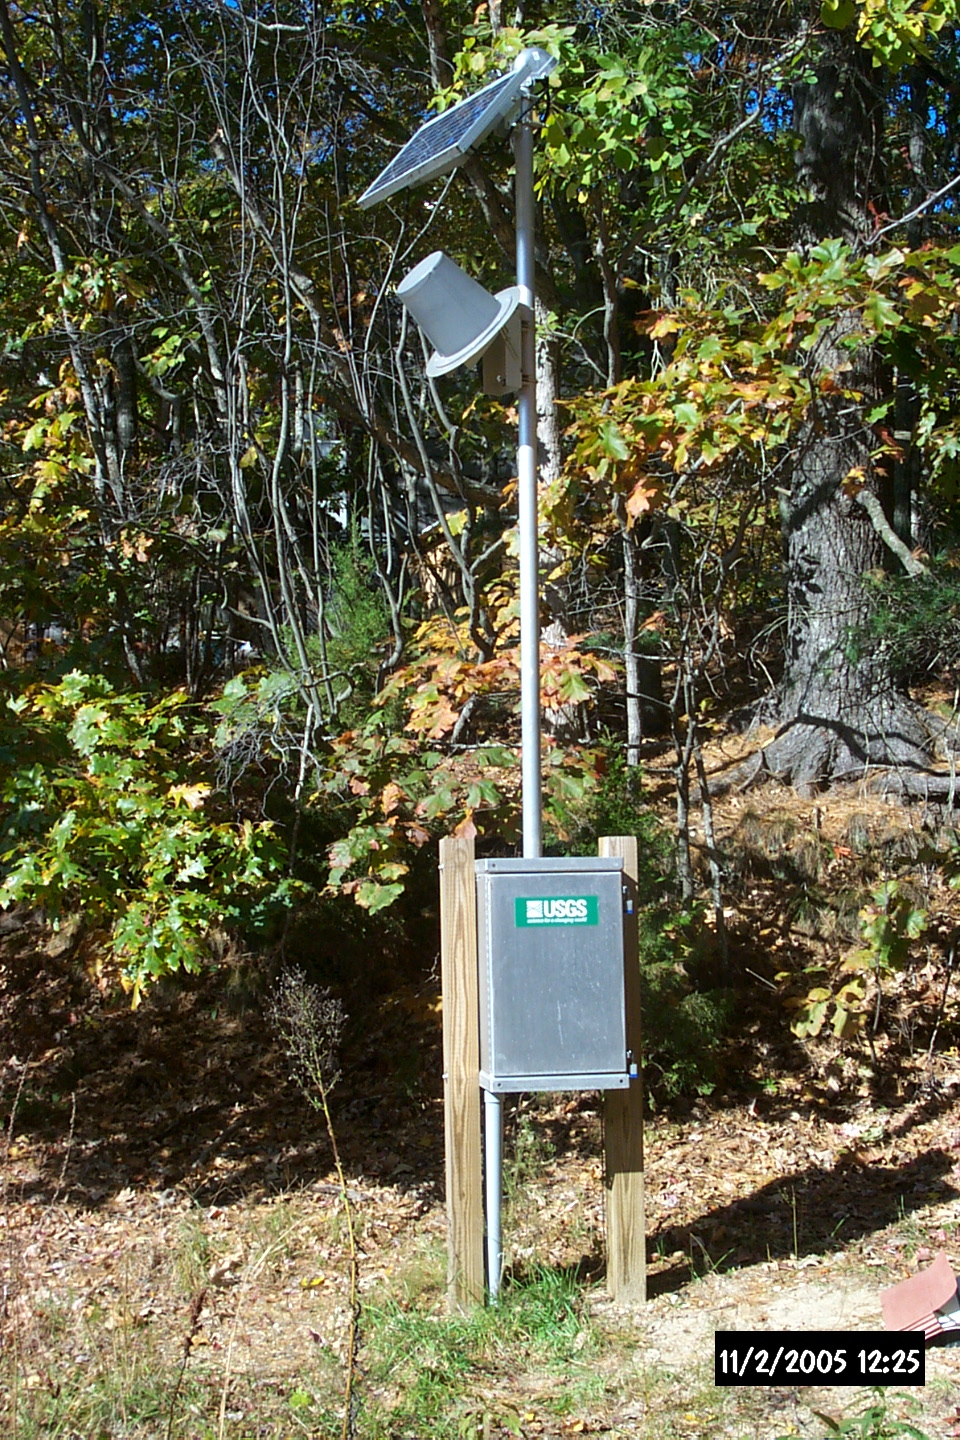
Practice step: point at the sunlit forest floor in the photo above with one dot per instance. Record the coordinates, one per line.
(172, 1246)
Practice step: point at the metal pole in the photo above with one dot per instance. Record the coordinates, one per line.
(527, 488)
(529, 629)
(493, 1165)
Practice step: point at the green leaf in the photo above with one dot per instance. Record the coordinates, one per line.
(373, 896)
(611, 442)
(687, 414)
(35, 436)
(838, 14)
(574, 688)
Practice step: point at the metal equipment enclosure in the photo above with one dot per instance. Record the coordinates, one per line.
(552, 979)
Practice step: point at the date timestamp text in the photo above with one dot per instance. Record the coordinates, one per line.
(818, 1357)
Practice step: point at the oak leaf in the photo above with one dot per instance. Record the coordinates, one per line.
(642, 497)
(391, 797)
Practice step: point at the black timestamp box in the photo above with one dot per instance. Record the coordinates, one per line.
(819, 1357)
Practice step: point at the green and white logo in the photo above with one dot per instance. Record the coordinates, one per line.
(557, 910)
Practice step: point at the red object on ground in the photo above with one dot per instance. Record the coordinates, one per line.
(912, 1305)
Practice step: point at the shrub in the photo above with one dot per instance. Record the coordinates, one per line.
(104, 813)
(682, 1025)
(917, 620)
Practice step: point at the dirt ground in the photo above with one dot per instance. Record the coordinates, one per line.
(168, 1193)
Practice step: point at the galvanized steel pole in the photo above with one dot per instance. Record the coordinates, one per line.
(527, 486)
(493, 1154)
(529, 617)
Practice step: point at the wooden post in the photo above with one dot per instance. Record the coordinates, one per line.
(623, 1128)
(461, 1074)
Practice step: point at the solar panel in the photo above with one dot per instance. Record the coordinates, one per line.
(443, 142)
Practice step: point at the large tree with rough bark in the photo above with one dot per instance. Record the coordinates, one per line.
(839, 706)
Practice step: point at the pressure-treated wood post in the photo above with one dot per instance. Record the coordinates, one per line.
(623, 1127)
(461, 1074)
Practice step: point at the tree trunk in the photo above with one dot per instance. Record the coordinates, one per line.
(631, 663)
(838, 703)
(838, 700)
(564, 722)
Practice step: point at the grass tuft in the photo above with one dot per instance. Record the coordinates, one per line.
(428, 1369)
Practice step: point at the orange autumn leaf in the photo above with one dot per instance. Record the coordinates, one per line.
(391, 797)
(642, 497)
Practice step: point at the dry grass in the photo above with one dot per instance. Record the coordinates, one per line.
(173, 1261)
(153, 1318)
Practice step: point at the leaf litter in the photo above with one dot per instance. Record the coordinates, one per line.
(155, 1157)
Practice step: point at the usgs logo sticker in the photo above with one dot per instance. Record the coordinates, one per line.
(558, 910)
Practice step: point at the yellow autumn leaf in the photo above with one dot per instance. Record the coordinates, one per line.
(191, 795)
(664, 325)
